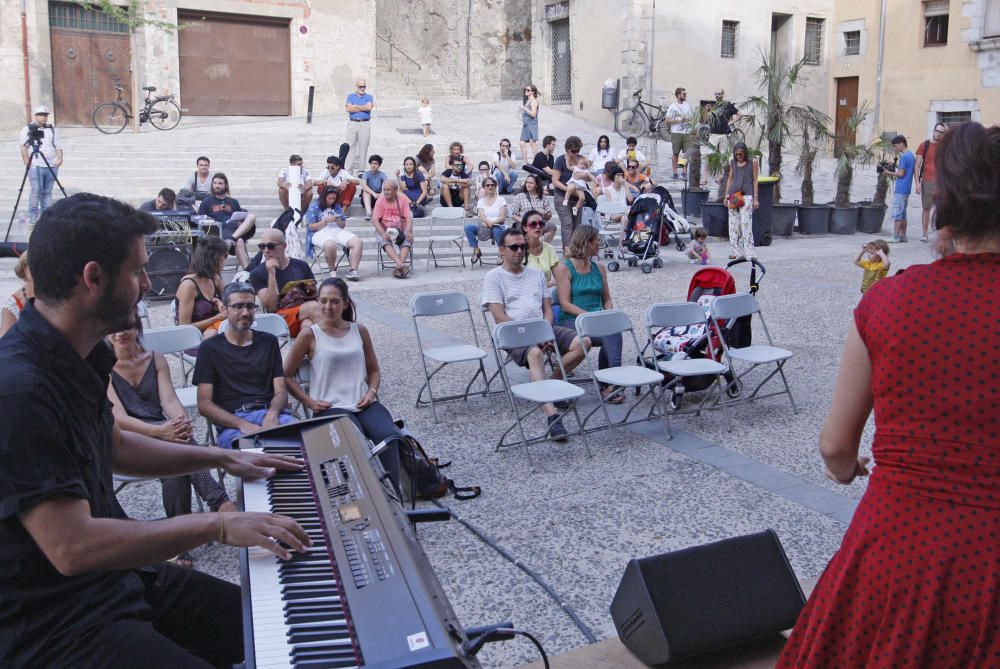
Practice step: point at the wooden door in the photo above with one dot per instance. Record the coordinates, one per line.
(847, 104)
(83, 65)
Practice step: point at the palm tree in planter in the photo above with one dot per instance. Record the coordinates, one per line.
(845, 216)
(694, 195)
(873, 213)
(813, 219)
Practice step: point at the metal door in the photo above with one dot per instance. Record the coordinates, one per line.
(847, 104)
(83, 65)
(235, 65)
(562, 71)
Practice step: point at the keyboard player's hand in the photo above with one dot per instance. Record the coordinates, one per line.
(252, 466)
(278, 534)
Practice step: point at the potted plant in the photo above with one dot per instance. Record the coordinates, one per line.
(873, 212)
(846, 214)
(813, 219)
(714, 216)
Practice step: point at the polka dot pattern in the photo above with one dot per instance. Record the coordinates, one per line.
(916, 582)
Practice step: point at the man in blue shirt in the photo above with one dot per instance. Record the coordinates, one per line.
(359, 114)
(904, 183)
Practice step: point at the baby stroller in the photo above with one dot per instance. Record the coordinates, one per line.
(672, 222)
(692, 341)
(640, 240)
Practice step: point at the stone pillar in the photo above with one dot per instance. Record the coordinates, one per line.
(636, 53)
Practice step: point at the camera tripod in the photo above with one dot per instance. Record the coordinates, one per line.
(36, 146)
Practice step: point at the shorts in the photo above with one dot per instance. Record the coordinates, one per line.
(564, 339)
(927, 190)
(227, 229)
(899, 206)
(401, 241)
(291, 316)
(680, 141)
(529, 130)
(334, 233)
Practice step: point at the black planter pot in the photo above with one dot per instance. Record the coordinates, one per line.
(692, 200)
(871, 219)
(783, 219)
(814, 219)
(715, 219)
(844, 220)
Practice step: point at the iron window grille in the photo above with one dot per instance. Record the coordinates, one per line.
(729, 31)
(76, 17)
(852, 42)
(814, 40)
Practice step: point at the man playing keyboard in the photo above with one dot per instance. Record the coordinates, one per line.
(81, 585)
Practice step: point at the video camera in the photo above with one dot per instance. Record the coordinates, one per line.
(36, 132)
(886, 166)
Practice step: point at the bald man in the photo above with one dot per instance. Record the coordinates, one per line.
(285, 285)
(359, 115)
(392, 212)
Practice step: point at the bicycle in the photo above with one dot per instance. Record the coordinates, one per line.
(161, 111)
(636, 120)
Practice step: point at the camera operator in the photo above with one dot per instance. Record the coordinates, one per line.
(41, 135)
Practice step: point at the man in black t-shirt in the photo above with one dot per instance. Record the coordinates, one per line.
(81, 585)
(237, 225)
(241, 384)
(285, 285)
(544, 161)
(455, 185)
(720, 118)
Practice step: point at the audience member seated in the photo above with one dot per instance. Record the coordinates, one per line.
(532, 197)
(482, 173)
(455, 185)
(545, 159)
(241, 386)
(456, 150)
(582, 286)
(303, 185)
(505, 168)
(394, 227)
(284, 285)
(200, 183)
(143, 401)
(165, 200)
(635, 180)
(236, 224)
(345, 375)
(540, 255)
(340, 179)
(578, 186)
(15, 302)
(631, 152)
(601, 154)
(617, 191)
(515, 292)
(427, 167)
(492, 210)
(199, 293)
(325, 231)
(414, 186)
(372, 180)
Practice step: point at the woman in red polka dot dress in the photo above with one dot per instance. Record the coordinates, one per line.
(916, 582)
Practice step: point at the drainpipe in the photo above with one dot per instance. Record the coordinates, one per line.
(24, 46)
(468, 51)
(878, 71)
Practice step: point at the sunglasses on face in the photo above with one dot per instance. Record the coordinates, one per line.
(535, 224)
(573, 151)
(243, 306)
(270, 246)
(488, 185)
(633, 167)
(514, 248)
(360, 86)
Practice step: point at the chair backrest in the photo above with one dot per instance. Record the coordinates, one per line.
(439, 303)
(728, 307)
(602, 323)
(668, 315)
(448, 213)
(171, 339)
(518, 334)
(272, 324)
(142, 310)
(610, 208)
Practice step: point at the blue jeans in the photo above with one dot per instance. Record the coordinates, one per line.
(228, 435)
(42, 181)
(505, 185)
(472, 234)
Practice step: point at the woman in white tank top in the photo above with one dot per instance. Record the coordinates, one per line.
(345, 375)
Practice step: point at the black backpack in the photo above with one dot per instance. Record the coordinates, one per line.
(425, 480)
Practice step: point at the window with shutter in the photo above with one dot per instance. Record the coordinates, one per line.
(935, 22)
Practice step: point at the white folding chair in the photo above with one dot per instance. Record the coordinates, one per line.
(729, 309)
(519, 334)
(429, 305)
(610, 231)
(174, 340)
(318, 261)
(142, 309)
(687, 314)
(273, 324)
(446, 215)
(605, 324)
(383, 256)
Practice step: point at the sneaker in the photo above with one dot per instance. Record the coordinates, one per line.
(902, 240)
(353, 275)
(923, 240)
(576, 210)
(562, 405)
(697, 262)
(557, 431)
(676, 178)
(368, 217)
(894, 240)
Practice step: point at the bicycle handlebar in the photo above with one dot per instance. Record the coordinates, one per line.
(638, 93)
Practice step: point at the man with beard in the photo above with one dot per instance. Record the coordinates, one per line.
(81, 585)
(237, 225)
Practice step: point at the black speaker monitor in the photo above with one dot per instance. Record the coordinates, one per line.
(705, 598)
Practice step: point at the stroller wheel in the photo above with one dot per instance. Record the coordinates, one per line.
(613, 266)
(681, 245)
(734, 389)
(646, 268)
(657, 263)
(675, 401)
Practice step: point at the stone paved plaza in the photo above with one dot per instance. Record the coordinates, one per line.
(575, 520)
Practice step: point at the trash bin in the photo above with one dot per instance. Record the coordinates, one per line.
(763, 214)
(609, 94)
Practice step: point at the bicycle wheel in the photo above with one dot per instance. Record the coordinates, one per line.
(630, 123)
(663, 130)
(165, 115)
(110, 118)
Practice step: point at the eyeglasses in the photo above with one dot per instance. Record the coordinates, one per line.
(489, 185)
(270, 246)
(361, 86)
(535, 224)
(633, 167)
(243, 306)
(514, 248)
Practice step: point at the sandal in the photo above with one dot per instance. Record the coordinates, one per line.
(607, 393)
(183, 560)
(405, 270)
(477, 256)
(398, 273)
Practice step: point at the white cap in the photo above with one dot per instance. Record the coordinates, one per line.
(41, 109)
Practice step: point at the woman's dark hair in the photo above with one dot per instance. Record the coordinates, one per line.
(341, 286)
(611, 170)
(539, 192)
(414, 163)
(330, 190)
(424, 155)
(79, 229)
(741, 145)
(528, 214)
(573, 142)
(968, 184)
(205, 260)
(482, 163)
(607, 142)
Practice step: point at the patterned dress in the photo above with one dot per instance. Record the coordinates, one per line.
(916, 582)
